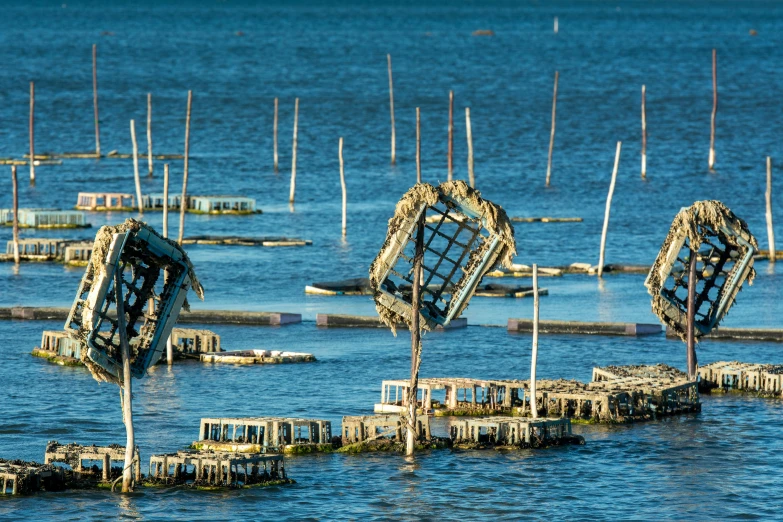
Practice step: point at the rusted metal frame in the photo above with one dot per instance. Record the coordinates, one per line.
(458, 264)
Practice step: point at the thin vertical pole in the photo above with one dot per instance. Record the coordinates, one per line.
(552, 133)
(183, 203)
(418, 260)
(418, 145)
(534, 357)
(16, 213)
(556, 26)
(391, 109)
(770, 228)
(274, 135)
(136, 166)
(644, 132)
(127, 386)
(714, 106)
(293, 153)
(169, 346)
(691, 348)
(32, 134)
(451, 135)
(95, 99)
(608, 208)
(149, 133)
(342, 183)
(469, 132)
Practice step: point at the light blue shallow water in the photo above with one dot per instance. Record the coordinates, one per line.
(722, 462)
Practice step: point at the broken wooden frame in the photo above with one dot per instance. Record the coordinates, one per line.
(156, 275)
(455, 257)
(724, 249)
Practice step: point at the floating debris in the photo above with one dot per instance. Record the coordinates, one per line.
(765, 380)
(209, 470)
(257, 357)
(264, 434)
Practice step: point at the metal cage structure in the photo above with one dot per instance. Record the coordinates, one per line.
(465, 237)
(156, 275)
(724, 250)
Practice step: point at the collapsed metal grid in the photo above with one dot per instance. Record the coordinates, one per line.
(715, 260)
(446, 253)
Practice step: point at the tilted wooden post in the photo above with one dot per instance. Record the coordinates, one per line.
(608, 208)
(16, 213)
(418, 145)
(552, 133)
(149, 133)
(127, 383)
(32, 133)
(183, 203)
(418, 260)
(770, 228)
(391, 109)
(644, 132)
(293, 153)
(714, 106)
(274, 135)
(342, 183)
(451, 135)
(136, 166)
(534, 356)
(95, 99)
(469, 132)
(691, 316)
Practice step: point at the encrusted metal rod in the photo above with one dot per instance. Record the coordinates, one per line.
(691, 349)
(415, 337)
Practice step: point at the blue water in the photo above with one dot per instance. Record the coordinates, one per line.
(722, 462)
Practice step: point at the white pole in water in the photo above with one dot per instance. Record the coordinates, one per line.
(556, 28)
(608, 208)
(534, 357)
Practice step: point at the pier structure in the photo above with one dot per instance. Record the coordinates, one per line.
(208, 468)
(19, 478)
(765, 379)
(105, 201)
(263, 434)
(44, 218)
(222, 205)
(511, 432)
(190, 343)
(89, 460)
(367, 428)
(57, 346)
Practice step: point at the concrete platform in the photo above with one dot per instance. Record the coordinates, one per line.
(584, 328)
(372, 321)
(741, 334)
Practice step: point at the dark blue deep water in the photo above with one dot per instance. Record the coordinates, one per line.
(332, 56)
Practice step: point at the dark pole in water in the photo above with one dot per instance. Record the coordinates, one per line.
(183, 202)
(32, 132)
(691, 349)
(418, 145)
(714, 106)
(95, 98)
(451, 134)
(413, 391)
(16, 214)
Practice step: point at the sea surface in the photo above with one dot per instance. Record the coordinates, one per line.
(237, 57)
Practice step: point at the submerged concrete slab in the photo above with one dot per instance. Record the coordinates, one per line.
(372, 321)
(584, 328)
(742, 334)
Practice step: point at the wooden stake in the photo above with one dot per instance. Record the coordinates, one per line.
(169, 346)
(391, 108)
(418, 260)
(32, 133)
(127, 386)
(714, 106)
(274, 135)
(691, 317)
(342, 183)
(534, 357)
(418, 145)
(469, 133)
(293, 153)
(95, 98)
(770, 229)
(608, 208)
(183, 203)
(16, 213)
(644, 132)
(552, 134)
(136, 166)
(451, 135)
(149, 133)
(556, 26)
